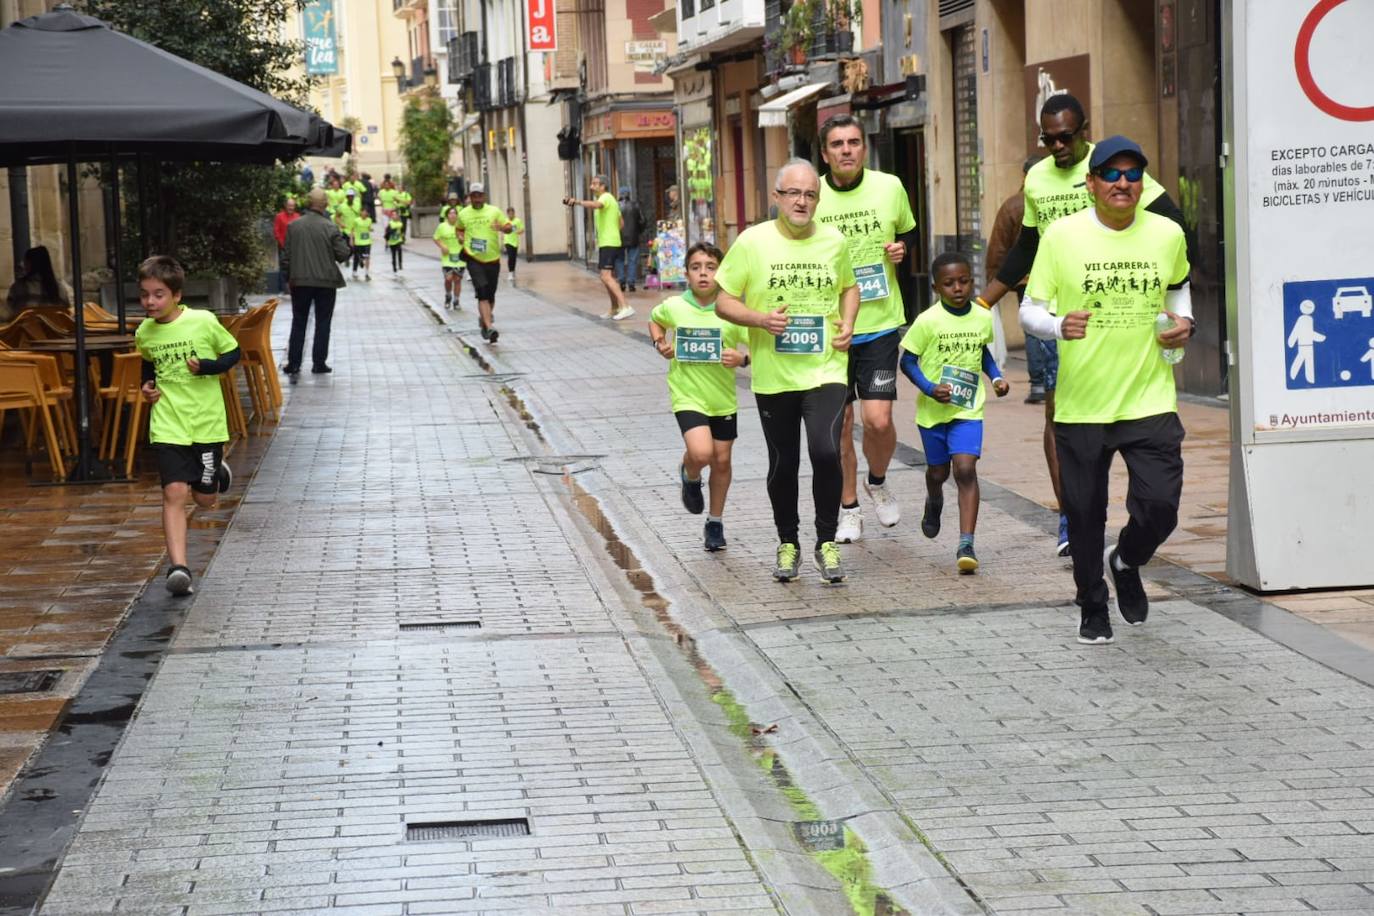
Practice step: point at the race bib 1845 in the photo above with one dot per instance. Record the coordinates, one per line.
(963, 386)
(805, 334)
(697, 345)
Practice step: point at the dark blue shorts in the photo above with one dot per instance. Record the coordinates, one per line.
(957, 437)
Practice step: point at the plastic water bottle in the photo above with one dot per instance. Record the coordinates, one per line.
(1163, 323)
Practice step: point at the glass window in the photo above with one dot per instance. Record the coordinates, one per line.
(448, 20)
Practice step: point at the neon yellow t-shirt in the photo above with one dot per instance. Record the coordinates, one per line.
(345, 215)
(700, 384)
(447, 235)
(870, 216)
(387, 196)
(362, 230)
(1053, 193)
(512, 238)
(335, 196)
(1115, 372)
(942, 338)
(403, 199)
(767, 270)
(481, 239)
(191, 408)
(395, 233)
(608, 222)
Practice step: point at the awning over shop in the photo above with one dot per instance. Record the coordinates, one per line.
(774, 113)
(468, 123)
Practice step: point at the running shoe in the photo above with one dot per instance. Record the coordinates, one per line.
(930, 521)
(1062, 547)
(692, 499)
(715, 536)
(1037, 395)
(1095, 627)
(179, 581)
(828, 562)
(789, 563)
(851, 527)
(1129, 590)
(486, 334)
(606, 315)
(224, 478)
(965, 559)
(492, 335)
(884, 504)
(624, 313)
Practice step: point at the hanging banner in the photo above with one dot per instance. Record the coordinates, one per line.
(321, 38)
(543, 30)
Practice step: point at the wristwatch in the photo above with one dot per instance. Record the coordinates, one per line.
(1192, 324)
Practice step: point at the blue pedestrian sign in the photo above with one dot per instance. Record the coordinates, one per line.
(1329, 333)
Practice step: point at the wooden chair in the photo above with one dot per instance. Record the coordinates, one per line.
(124, 392)
(21, 388)
(233, 407)
(58, 389)
(254, 335)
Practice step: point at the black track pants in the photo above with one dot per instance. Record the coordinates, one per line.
(821, 411)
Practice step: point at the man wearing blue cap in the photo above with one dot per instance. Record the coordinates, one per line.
(1056, 187)
(1102, 278)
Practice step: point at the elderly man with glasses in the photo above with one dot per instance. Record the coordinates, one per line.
(1102, 280)
(790, 282)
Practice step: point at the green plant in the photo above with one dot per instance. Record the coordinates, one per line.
(798, 25)
(426, 141)
(840, 15)
(207, 213)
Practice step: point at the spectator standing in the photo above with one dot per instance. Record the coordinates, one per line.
(630, 236)
(314, 249)
(285, 217)
(308, 176)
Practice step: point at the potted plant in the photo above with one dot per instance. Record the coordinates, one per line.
(840, 15)
(798, 30)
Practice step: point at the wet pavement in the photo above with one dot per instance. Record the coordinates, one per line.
(460, 601)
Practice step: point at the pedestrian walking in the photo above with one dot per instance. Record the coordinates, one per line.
(314, 249)
(790, 283)
(1102, 277)
(953, 340)
(705, 351)
(396, 242)
(608, 223)
(871, 209)
(1042, 358)
(480, 226)
(631, 234)
(511, 242)
(1054, 188)
(450, 245)
(183, 351)
(362, 244)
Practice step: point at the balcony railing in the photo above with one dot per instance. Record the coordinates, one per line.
(463, 53)
(482, 98)
(506, 88)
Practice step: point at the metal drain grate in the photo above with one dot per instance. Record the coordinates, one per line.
(28, 681)
(440, 626)
(468, 830)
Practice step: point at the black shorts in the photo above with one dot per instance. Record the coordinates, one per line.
(485, 277)
(451, 271)
(723, 429)
(362, 251)
(873, 369)
(194, 464)
(606, 256)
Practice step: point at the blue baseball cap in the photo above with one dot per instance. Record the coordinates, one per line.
(1108, 149)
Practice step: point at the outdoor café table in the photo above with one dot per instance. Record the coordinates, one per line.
(103, 346)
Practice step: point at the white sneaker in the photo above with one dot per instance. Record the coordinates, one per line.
(851, 526)
(884, 503)
(624, 313)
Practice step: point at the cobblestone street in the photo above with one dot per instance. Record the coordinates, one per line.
(460, 601)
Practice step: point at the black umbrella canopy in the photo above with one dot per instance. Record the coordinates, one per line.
(74, 86)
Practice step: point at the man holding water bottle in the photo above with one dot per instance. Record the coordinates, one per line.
(1104, 282)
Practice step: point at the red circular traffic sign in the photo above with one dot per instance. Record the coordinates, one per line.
(1302, 61)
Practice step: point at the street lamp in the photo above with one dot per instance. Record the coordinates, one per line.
(398, 69)
(431, 76)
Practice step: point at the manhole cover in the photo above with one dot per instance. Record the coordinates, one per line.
(28, 681)
(466, 830)
(440, 625)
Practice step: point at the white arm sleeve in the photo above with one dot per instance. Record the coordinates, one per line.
(1180, 301)
(1036, 319)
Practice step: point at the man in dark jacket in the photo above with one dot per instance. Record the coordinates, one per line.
(310, 261)
(630, 234)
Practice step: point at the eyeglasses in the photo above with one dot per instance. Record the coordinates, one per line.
(798, 194)
(1060, 139)
(1114, 175)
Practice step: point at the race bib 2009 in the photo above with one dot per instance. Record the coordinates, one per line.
(804, 335)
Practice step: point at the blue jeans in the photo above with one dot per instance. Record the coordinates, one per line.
(627, 267)
(1042, 359)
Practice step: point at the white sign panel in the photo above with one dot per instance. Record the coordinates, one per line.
(645, 55)
(1309, 186)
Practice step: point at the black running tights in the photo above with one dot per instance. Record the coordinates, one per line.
(821, 411)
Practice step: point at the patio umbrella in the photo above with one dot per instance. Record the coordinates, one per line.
(78, 91)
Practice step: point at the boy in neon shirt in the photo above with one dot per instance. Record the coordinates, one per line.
(705, 351)
(361, 236)
(396, 242)
(183, 350)
(450, 245)
(953, 339)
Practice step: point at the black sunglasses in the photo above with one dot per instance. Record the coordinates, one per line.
(1133, 174)
(1064, 138)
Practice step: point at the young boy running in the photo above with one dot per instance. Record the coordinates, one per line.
(396, 242)
(705, 350)
(450, 245)
(361, 237)
(183, 350)
(952, 338)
